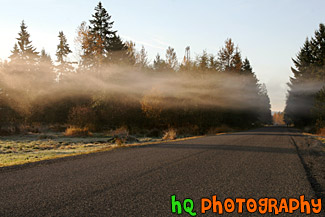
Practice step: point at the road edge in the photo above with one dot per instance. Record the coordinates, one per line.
(315, 185)
(75, 156)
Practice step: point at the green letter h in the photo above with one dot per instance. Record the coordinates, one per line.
(175, 204)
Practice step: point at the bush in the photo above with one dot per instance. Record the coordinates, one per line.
(6, 131)
(119, 132)
(170, 134)
(154, 133)
(119, 141)
(57, 127)
(82, 116)
(321, 131)
(121, 136)
(76, 131)
(189, 130)
(25, 129)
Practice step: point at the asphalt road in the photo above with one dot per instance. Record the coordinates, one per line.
(139, 181)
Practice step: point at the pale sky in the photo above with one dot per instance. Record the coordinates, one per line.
(268, 32)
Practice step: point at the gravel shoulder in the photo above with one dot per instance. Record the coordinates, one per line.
(311, 149)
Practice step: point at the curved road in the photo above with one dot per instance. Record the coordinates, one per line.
(139, 181)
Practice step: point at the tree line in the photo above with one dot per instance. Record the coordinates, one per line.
(305, 105)
(111, 84)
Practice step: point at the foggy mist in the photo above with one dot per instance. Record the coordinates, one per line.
(220, 89)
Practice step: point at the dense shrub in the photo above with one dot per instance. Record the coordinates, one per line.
(82, 116)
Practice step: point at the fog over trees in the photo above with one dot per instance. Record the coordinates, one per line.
(305, 106)
(111, 84)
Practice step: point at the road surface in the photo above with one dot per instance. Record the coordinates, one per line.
(139, 181)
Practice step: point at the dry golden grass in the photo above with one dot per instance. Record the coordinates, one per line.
(321, 132)
(119, 141)
(170, 134)
(14, 152)
(120, 132)
(77, 131)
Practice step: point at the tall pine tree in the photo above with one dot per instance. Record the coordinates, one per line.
(159, 65)
(171, 59)
(142, 59)
(229, 57)
(101, 44)
(309, 77)
(15, 54)
(24, 52)
(63, 50)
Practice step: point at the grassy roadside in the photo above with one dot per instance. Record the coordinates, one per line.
(311, 151)
(30, 147)
(22, 150)
(316, 137)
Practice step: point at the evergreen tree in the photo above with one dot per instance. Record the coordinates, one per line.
(24, 58)
(101, 25)
(247, 71)
(131, 53)
(206, 62)
(318, 43)
(246, 67)
(229, 57)
(63, 50)
(171, 59)
(159, 65)
(213, 63)
(319, 109)
(225, 55)
(45, 62)
(303, 62)
(101, 44)
(142, 58)
(203, 62)
(265, 114)
(257, 90)
(28, 52)
(236, 62)
(118, 51)
(45, 57)
(15, 54)
(309, 77)
(25, 51)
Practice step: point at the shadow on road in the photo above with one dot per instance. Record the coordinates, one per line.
(228, 148)
(205, 143)
(269, 131)
(263, 134)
